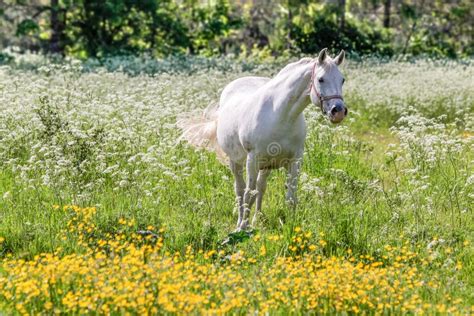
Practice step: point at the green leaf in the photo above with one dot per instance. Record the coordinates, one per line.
(237, 237)
(27, 27)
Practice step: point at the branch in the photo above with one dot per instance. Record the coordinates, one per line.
(40, 9)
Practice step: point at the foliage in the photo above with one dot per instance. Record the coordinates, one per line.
(27, 27)
(437, 30)
(316, 28)
(114, 27)
(271, 28)
(211, 26)
(5, 58)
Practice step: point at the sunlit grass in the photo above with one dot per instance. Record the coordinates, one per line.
(399, 172)
(123, 271)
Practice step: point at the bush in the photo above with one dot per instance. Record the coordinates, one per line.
(5, 58)
(357, 36)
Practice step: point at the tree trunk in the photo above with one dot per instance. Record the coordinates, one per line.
(289, 25)
(342, 12)
(413, 26)
(57, 27)
(386, 13)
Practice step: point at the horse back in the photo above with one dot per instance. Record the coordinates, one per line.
(240, 89)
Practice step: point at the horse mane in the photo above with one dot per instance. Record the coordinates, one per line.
(290, 67)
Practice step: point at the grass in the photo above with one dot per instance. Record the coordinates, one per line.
(397, 175)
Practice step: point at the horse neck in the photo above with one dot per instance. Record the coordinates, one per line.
(291, 89)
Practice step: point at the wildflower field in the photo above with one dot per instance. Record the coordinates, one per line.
(103, 211)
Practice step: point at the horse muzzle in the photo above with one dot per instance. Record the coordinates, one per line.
(337, 113)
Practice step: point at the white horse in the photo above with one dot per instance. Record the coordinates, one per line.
(259, 124)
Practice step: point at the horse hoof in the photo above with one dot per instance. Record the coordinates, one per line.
(243, 225)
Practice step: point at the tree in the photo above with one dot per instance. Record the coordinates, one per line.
(386, 13)
(98, 28)
(342, 13)
(58, 25)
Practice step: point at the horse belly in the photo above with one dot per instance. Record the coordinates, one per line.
(282, 146)
(276, 156)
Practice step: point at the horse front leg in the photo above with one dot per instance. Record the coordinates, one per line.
(239, 187)
(261, 188)
(249, 194)
(292, 181)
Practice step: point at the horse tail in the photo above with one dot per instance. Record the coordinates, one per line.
(199, 129)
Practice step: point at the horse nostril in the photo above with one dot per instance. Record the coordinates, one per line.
(345, 112)
(336, 109)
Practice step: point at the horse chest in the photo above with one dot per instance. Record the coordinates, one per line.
(263, 131)
(275, 145)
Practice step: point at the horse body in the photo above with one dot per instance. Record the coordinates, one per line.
(244, 104)
(259, 125)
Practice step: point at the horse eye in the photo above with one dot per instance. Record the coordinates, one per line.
(321, 80)
(343, 80)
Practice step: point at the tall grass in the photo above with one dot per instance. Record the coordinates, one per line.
(401, 169)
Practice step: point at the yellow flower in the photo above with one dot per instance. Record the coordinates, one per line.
(121, 274)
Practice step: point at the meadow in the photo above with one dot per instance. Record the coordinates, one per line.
(103, 210)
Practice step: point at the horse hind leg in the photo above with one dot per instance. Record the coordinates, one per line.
(239, 187)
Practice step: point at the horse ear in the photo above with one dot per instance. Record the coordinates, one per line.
(322, 55)
(340, 58)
